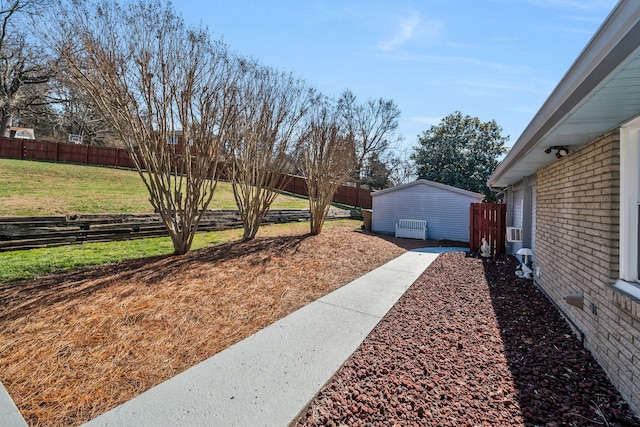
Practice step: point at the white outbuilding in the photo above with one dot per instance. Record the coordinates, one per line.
(445, 208)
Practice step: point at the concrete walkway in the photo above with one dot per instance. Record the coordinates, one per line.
(268, 378)
(9, 414)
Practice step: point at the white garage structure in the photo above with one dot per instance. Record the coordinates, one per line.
(445, 208)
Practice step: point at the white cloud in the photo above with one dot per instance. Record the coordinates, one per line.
(410, 27)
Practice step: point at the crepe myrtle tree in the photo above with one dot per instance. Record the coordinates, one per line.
(155, 80)
(328, 157)
(270, 106)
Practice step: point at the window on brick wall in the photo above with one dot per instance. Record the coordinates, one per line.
(630, 208)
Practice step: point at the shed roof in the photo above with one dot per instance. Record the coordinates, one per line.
(600, 92)
(430, 184)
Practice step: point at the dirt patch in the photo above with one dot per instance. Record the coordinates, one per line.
(74, 345)
(470, 344)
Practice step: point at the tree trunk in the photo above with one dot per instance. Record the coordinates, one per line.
(249, 232)
(252, 222)
(317, 220)
(5, 126)
(181, 243)
(180, 247)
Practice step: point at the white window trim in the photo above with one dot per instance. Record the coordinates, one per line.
(629, 198)
(631, 289)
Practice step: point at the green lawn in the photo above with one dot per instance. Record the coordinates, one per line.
(18, 265)
(39, 189)
(30, 188)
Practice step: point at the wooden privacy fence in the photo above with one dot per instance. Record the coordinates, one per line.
(345, 194)
(28, 149)
(488, 220)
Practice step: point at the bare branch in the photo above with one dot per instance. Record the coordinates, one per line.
(24, 70)
(328, 158)
(158, 83)
(271, 106)
(371, 125)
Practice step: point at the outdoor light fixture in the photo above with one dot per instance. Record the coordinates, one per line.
(561, 151)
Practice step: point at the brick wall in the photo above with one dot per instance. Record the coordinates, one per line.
(577, 251)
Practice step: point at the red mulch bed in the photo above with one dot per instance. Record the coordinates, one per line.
(470, 344)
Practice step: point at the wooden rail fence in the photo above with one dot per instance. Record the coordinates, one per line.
(18, 233)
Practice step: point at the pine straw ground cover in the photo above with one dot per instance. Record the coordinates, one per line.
(74, 345)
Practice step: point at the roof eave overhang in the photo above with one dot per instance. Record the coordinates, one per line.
(614, 46)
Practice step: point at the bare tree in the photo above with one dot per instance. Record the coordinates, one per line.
(402, 168)
(157, 82)
(371, 125)
(328, 158)
(270, 107)
(24, 68)
(78, 116)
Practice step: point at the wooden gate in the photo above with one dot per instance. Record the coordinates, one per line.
(488, 220)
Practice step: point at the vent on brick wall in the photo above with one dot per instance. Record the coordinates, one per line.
(514, 234)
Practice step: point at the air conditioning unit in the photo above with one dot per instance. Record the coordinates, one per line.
(514, 234)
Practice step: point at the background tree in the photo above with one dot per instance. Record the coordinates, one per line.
(461, 151)
(327, 158)
(371, 125)
(401, 167)
(376, 174)
(77, 115)
(25, 68)
(270, 107)
(152, 77)
(41, 115)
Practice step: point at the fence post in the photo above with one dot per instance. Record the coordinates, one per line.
(472, 226)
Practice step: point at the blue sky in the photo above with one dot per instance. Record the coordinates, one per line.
(494, 59)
